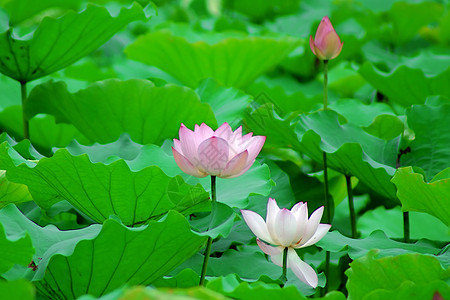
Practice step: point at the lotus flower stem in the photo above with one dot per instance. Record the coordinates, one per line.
(209, 242)
(283, 277)
(351, 206)
(325, 84)
(406, 227)
(325, 170)
(23, 92)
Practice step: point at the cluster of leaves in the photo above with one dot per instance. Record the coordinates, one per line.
(93, 205)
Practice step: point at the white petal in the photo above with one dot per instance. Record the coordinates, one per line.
(300, 211)
(313, 223)
(276, 253)
(257, 225)
(302, 270)
(285, 227)
(318, 235)
(272, 212)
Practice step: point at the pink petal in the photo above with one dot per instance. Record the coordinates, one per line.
(213, 155)
(324, 28)
(224, 131)
(313, 223)
(311, 44)
(302, 270)
(285, 227)
(185, 165)
(257, 225)
(254, 147)
(272, 212)
(203, 131)
(337, 51)
(235, 165)
(321, 231)
(177, 146)
(188, 143)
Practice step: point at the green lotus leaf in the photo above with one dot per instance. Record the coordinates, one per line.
(134, 257)
(360, 114)
(47, 240)
(386, 127)
(430, 148)
(228, 104)
(284, 101)
(406, 86)
(417, 195)
(57, 43)
(17, 290)
(20, 10)
(370, 273)
(105, 110)
(233, 61)
(44, 132)
(422, 225)
(16, 249)
(100, 190)
(11, 192)
(408, 18)
(412, 291)
(356, 248)
(232, 286)
(349, 150)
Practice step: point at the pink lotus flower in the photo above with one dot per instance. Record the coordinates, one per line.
(221, 153)
(326, 44)
(288, 228)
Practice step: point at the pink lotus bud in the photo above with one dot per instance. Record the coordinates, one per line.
(326, 44)
(221, 153)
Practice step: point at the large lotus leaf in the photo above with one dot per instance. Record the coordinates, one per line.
(406, 86)
(390, 221)
(100, 190)
(279, 131)
(46, 240)
(105, 110)
(411, 291)
(16, 249)
(119, 255)
(417, 195)
(149, 293)
(249, 263)
(57, 43)
(283, 101)
(232, 286)
(408, 18)
(228, 104)
(370, 273)
(44, 132)
(17, 290)
(11, 192)
(358, 113)
(231, 61)
(430, 148)
(356, 248)
(350, 150)
(20, 10)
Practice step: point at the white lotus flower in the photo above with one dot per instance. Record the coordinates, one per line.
(288, 228)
